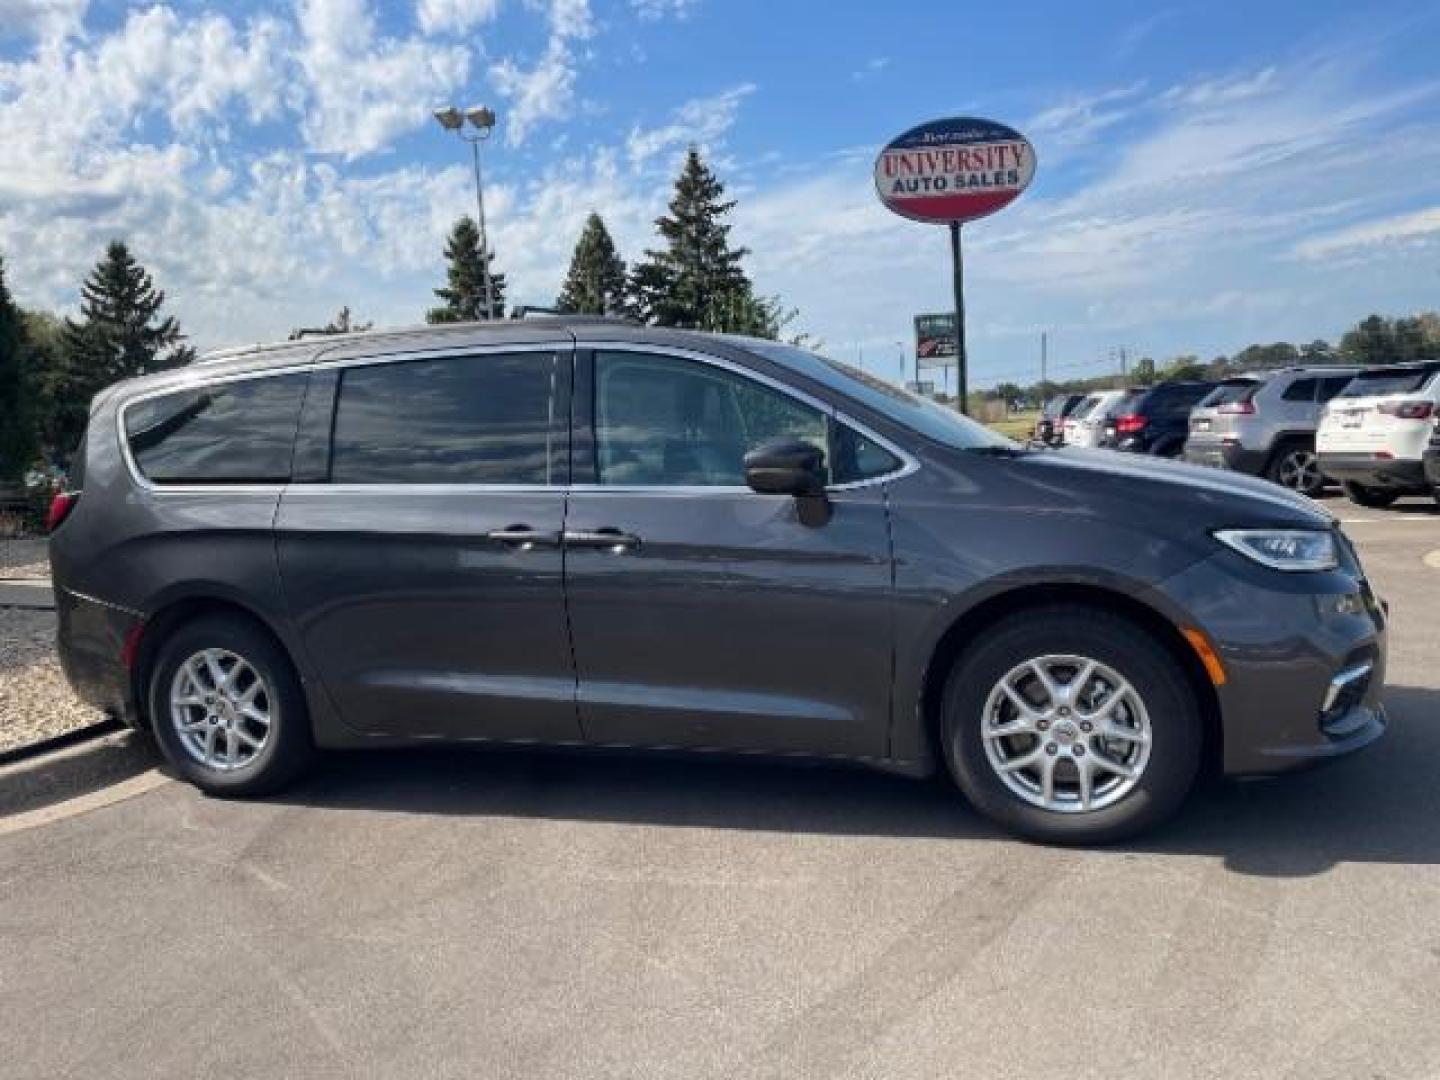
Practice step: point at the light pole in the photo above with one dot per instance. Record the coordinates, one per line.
(482, 120)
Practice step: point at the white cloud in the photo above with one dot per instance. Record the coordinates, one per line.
(871, 68)
(544, 92)
(362, 89)
(1384, 233)
(651, 10)
(40, 18)
(454, 16)
(701, 121)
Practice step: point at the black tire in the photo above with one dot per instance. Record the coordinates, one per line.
(1374, 498)
(1280, 470)
(1168, 697)
(286, 750)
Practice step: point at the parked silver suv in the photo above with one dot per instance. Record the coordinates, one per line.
(1263, 423)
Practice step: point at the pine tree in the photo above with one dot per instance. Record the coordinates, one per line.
(464, 294)
(697, 280)
(596, 283)
(16, 432)
(120, 334)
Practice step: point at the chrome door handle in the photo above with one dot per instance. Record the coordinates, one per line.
(609, 538)
(522, 537)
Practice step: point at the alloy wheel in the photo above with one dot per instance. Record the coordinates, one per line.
(1066, 733)
(221, 708)
(1299, 470)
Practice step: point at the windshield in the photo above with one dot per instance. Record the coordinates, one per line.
(1387, 381)
(1084, 408)
(919, 414)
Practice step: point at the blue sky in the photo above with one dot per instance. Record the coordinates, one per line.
(1209, 174)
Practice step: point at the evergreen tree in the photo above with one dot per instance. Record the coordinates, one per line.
(464, 293)
(16, 431)
(343, 323)
(697, 280)
(120, 334)
(595, 284)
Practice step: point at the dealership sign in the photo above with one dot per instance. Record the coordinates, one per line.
(953, 171)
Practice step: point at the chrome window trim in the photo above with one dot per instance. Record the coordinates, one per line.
(909, 463)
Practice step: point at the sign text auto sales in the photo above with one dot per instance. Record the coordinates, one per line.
(951, 169)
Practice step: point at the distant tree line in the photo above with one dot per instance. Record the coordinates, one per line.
(694, 278)
(1374, 340)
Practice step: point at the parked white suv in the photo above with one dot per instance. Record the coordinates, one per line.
(1373, 435)
(1089, 426)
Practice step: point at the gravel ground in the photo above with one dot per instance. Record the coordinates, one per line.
(23, 557)
(35, 700)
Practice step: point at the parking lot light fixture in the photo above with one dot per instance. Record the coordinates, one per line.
(482, 122)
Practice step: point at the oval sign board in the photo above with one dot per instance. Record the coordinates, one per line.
(954, 170)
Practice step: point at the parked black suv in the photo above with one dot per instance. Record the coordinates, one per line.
(584, 532)
(1158, 421)
(1049, 429)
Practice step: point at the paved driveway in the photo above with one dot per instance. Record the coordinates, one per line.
(496, 915)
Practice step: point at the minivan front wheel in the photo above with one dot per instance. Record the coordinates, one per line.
(1071, 725)
(227, 708)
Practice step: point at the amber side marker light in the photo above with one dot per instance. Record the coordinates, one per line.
(1203, 649)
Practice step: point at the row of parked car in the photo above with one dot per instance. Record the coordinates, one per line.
(1376, 430)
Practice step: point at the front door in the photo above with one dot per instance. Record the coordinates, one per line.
(423, 563)
(704, 614)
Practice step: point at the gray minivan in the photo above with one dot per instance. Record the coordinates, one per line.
(583, 532)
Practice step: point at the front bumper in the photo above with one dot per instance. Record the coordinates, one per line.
(1389, 474)
(1291, 646)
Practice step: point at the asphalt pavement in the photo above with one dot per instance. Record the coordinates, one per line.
(468, 914)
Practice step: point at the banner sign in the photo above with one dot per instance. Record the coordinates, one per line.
(954, 170)
(935, 340)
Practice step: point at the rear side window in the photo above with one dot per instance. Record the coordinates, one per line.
(1300, 390)
(1381, 381)
(227, 433)
(1232, 392)
(453, 420)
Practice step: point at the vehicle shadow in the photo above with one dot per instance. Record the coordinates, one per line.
(1380, 806)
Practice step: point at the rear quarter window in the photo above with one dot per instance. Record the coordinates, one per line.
(235, 432)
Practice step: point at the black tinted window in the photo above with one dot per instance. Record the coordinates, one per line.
(665, 421)
(1232, 392)
(1300, 390)
(1380, 381)
(1172, 402)
(1331, 386)
(227, 433)
(457, 420)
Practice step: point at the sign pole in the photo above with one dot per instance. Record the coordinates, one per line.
(957, 260)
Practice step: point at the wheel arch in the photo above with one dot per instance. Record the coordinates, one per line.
(177, 612)
(974, 621)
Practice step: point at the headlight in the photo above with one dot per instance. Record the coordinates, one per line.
(1283, 549)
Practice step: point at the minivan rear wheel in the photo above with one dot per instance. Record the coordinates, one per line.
(227, 709)
(1374, 498)
(1071, 725)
